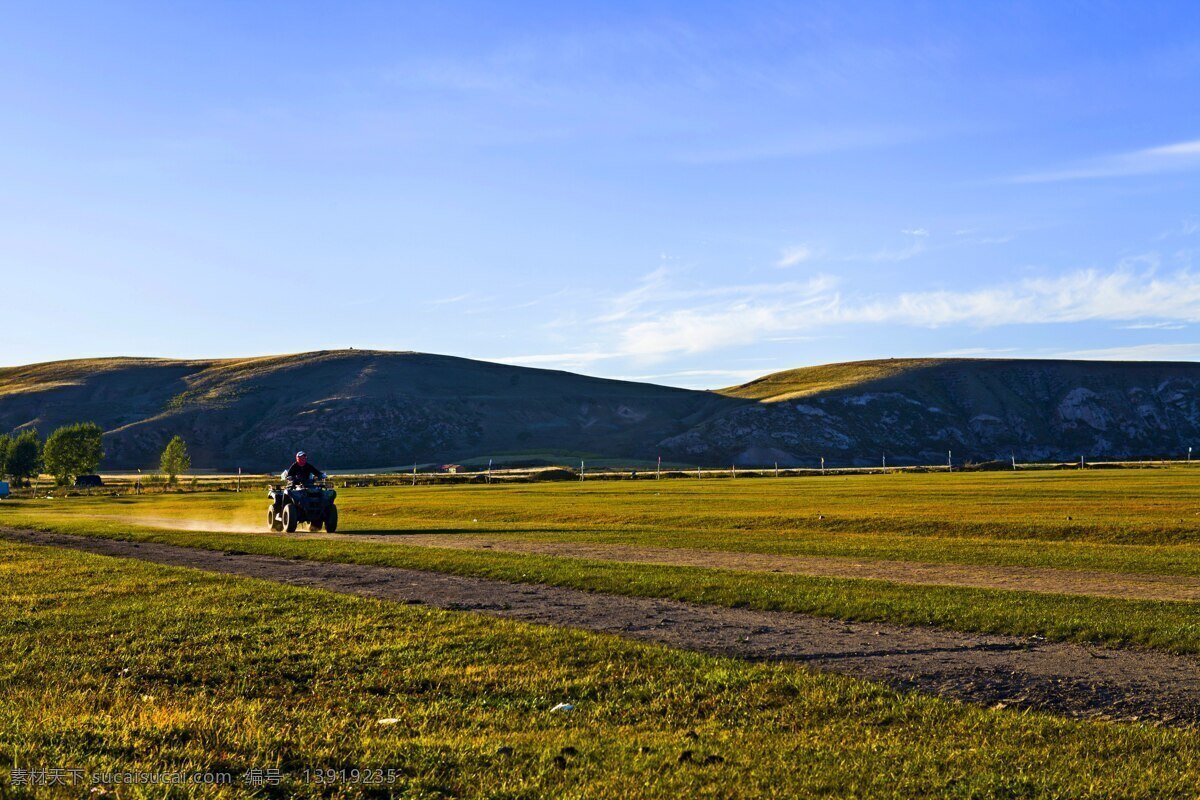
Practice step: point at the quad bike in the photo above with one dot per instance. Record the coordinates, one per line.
(298, 503)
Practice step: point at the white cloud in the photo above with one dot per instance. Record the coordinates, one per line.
(805, 144)
(1191, 148)
(791, 256)
(1122, 294)
(915, 247)
(658, 319)
(749, 314)
(458, 298)
(695, 376)
(558, 360)
(1154, 326)
(1139, 352)
(623, 305)
(975, 352)
(1164, 158)
(1188, 227)
(727, 316)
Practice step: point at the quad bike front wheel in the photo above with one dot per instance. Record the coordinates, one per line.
(273, 519)
(291, 517)
(331, 519)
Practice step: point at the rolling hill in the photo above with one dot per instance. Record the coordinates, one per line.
(915, 410)
(351, 408)
(361, 409)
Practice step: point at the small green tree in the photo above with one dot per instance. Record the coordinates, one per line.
(6, 442)
(25, 456)
(175, 460)
(72, 451)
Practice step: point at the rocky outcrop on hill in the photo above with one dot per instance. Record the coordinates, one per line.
(978, 409)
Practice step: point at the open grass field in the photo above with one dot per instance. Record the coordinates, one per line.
(266, 676)
(116, 666)
(1114, 522)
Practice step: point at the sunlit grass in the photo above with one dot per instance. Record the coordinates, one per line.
(937, 518)
(111, 664)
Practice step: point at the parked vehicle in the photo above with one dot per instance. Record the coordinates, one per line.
(88, 482)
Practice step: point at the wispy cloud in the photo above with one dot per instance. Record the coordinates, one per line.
(458, 298)
(1154, 326)
(1140, 352)
(1165, 158)
(687, 375)
(758, 313)
(791, 256)
(975, 352)
(816, 142)
(659, 319)
(1188, 227)
(726, 317)
(917, 244)
(577, 360)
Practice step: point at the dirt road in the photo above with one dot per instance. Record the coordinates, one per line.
(1063, 678)
(1127, 586)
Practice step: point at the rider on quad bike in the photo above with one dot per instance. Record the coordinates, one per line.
(303, 497)
(302, 472)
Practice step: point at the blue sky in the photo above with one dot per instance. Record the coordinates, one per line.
(691, 193)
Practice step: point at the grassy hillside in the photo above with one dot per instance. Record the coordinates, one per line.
(918, 410)
(794, 383)
(352, 408)
(362, 409)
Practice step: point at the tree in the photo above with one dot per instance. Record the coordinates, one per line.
(72, 451)
(25, 456)
(6, 442)
(175, 459)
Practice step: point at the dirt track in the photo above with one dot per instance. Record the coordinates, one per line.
(1127, 586)
(1064, 678)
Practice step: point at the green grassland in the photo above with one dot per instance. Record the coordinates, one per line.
(113, 665)
(805, 381)
(1119, 521)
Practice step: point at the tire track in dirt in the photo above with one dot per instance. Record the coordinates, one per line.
(991, 670)
(1047, 580)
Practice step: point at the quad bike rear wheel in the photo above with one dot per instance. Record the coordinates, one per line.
(314, 527)
(273, 519)
(331, 519)
(291, 517)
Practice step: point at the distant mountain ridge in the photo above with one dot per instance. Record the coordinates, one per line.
(915, 410)
(362, 409)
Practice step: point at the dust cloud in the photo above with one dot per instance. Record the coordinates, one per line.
(178, 524)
